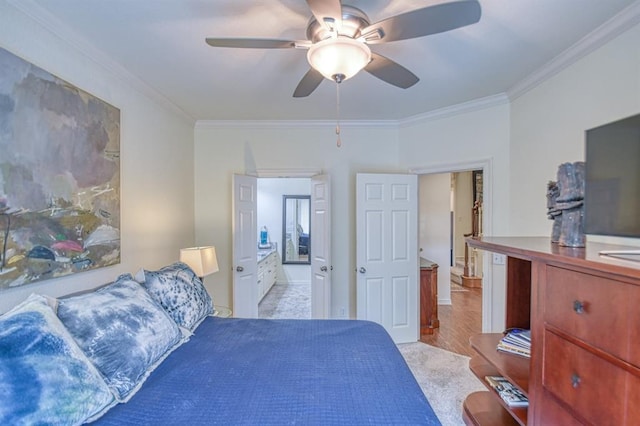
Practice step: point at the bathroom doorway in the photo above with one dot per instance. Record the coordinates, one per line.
(287, 288)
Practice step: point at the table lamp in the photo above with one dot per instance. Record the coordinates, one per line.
(202, 260)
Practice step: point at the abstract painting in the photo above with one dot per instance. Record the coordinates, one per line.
(59, 176)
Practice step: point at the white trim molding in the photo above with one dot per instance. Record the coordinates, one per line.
(623, 21)
(486, 165)
(453, 110)
(267, 124)
(287, 173)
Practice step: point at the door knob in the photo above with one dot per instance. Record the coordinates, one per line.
(239, 269)
(362, 270)
(323, 268)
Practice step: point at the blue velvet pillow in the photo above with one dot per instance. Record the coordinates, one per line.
(45, 378)
(122, 331)
(181, 293)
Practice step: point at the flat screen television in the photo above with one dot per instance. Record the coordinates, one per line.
(612, 179)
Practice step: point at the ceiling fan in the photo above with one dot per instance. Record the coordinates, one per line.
(338, 39)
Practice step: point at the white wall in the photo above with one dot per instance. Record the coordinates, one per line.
(461, 142)
(548, 123)
(222, 149)
(157, 216)
(435, 226)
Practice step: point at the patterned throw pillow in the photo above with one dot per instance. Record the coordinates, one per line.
(181, 293)
(122, 330)
(45, 378)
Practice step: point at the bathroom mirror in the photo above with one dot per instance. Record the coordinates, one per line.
(296, 229)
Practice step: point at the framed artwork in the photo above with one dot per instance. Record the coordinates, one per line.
(59, 176)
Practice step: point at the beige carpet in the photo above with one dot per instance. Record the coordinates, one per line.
(444, 377)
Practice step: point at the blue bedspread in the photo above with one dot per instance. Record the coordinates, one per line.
(274, 372)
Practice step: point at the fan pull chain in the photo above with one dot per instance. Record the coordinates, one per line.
(339, 141)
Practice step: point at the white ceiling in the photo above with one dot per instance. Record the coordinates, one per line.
(162, 43)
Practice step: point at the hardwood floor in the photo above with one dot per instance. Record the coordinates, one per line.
(458, 321)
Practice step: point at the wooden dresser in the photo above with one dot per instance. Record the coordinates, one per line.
(584, 313)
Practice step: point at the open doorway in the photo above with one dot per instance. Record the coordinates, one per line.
(284, 270)
(450, 210)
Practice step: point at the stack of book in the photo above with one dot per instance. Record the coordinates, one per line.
(516, 341)
(511, 395)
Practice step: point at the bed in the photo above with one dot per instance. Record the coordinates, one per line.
(148, 352)
(253, 371)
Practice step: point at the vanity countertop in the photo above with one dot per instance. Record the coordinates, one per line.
(263, 253)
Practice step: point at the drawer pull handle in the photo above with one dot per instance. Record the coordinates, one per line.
(578, 307)
(575, 380)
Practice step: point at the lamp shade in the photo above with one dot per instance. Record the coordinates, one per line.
(339, 56)
(202, 260)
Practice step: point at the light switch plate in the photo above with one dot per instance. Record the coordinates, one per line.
(499, 259)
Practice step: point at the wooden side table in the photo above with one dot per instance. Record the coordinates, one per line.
(428, 296)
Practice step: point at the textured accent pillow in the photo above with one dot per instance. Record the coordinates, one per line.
(45, 378)
(122, 331)
(181, 293)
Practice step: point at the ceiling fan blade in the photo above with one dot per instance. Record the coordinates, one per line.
(391, 72)
(327, 12)
(421, 22)
(251, 43)
(308, 84)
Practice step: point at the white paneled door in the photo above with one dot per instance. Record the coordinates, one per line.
(245, 281)
(320, 246)
(387, 253)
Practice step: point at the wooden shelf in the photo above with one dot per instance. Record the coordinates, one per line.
(482, 408)
(481, 369)
(490, 409)
(513, 367)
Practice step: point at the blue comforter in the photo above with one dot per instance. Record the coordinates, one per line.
(274, 372)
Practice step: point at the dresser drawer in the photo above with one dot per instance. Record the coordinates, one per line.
(583, 381)
(550, 412)
(592, 308)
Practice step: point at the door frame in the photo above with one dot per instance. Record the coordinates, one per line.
(300, 173)
(486, 165)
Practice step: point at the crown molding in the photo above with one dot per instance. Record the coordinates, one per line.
(266, 124)
(52, 24)
(465, 107)
(453, 110)
(623, 21)
(287, 173)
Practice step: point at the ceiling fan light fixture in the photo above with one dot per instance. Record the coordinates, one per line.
(339, 58)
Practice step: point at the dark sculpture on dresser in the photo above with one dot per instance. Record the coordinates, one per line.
(565, 205)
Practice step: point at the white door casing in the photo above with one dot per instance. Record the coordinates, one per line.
(387, 289)
(320, 246)
(245, 266)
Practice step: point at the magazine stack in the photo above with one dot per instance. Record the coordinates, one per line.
(511, 395)
(516, 341)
